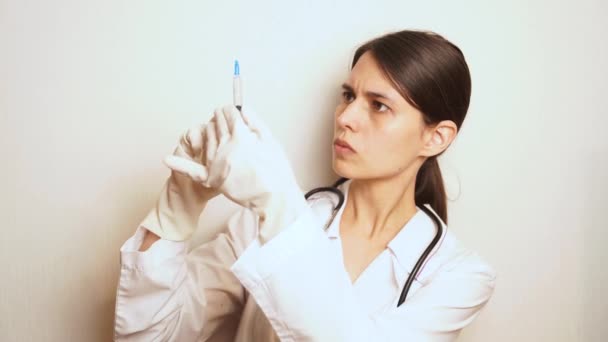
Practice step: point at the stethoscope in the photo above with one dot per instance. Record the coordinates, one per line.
(410, 279)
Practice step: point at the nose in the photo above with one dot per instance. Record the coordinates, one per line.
(347, 117)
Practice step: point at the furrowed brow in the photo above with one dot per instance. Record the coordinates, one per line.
(367, 93)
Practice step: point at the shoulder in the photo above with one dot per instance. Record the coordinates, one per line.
(454, 259)
(457, 277)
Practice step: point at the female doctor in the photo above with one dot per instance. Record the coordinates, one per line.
(284, 269)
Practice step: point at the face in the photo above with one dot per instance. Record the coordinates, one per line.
(386, 133)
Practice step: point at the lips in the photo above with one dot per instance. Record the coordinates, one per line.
(343, 143)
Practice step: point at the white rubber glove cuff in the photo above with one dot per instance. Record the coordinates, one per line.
(175, 216)
(279, 213)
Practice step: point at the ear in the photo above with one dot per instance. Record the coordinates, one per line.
(438, 137)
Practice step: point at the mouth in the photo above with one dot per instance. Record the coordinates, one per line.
(342, 146)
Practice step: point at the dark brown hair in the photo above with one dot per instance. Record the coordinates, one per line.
(432, 75)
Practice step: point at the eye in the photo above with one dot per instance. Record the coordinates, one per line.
(379, 105)
(347, 96)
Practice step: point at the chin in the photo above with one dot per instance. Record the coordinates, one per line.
(343, 169)
(347, 169)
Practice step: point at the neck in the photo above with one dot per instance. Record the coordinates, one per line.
(379, 208)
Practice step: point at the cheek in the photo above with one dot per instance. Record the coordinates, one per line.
(393, 148)
(339, 109)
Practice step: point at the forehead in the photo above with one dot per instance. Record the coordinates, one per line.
(367, 74)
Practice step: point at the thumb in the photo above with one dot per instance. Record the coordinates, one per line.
(195, 171)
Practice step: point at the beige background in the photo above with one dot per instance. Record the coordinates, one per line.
(93, 94)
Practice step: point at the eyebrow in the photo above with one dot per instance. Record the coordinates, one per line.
(367, 93)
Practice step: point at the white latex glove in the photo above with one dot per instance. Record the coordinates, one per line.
(246, 164)
(182, 199)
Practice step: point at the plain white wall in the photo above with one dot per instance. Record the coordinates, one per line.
(93, 94)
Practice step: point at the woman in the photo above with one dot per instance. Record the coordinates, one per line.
(279, 271)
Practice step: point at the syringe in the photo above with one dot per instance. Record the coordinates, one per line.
(236, 87)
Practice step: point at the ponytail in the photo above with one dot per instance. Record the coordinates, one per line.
(430, 189)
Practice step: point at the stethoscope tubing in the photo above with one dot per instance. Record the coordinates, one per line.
(423, 257)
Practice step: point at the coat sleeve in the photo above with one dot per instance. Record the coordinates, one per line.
(301, 284)
(168, 294)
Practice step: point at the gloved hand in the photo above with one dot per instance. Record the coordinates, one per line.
(182, 198)
(248, 166)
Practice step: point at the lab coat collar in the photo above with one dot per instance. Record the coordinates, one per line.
(333, 231)
(407, 245)
(411, 241)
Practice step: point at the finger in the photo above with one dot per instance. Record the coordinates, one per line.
(195, 137)
(195, 171)
(221, 126)
(238, 127)
(184, 147)
(240, 130)
(211, 140)
(255, 123)
(232, 114)
(203, 154)
(245, 118)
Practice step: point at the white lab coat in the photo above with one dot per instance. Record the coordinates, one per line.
(295, 287)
